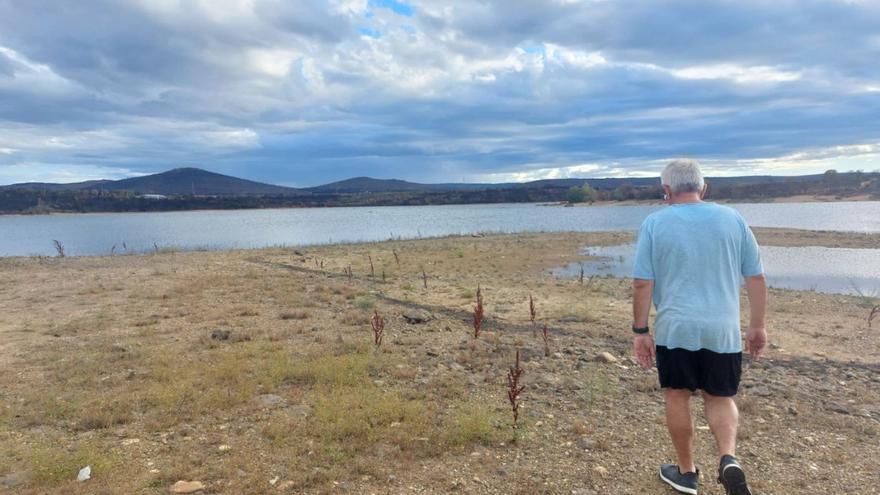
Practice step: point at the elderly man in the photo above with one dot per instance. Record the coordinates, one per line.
(691, 257)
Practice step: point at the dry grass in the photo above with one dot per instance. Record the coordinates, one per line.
(99, 352)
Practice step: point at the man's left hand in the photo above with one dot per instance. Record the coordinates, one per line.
(644, 349)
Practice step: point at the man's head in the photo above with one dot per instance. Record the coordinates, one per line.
(682, 176)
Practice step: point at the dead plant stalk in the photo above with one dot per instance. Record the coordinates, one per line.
(378, 324)
(514, 389)
(478, 314)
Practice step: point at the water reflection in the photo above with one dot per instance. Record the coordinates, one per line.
(822, 269)
(95, 234)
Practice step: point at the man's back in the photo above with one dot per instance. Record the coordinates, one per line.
(696, 254)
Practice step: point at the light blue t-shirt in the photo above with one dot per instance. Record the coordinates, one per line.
(697, 254)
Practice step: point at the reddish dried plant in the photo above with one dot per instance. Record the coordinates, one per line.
(372, 270)
(875, 312)
(396, 257)
(581, 275)
(348, 273)
(378, 324)
(424, 278)
(514, 389)
(532, 313)
(478, 314)
(545, 333)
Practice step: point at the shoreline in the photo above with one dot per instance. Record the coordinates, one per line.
(653, 202)
(769, 236)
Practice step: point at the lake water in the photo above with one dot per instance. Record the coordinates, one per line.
(95, 234)
(834, 270)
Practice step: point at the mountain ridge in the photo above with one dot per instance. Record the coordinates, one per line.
(199, 182)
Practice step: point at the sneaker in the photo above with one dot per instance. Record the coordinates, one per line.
(682, 483)
(732, 477)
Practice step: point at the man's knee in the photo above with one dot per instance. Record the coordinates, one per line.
(677, 394)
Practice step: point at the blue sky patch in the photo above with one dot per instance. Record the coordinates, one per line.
(399, 8)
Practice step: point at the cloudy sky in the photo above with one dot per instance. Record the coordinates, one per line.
(302, 92)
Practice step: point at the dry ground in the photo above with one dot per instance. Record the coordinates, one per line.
(253, 372)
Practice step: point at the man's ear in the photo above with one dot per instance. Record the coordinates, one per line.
(704, 191)
(667, 191)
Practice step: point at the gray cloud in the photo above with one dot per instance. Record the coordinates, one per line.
(295, 92)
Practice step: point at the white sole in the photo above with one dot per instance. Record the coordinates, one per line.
(677, 487)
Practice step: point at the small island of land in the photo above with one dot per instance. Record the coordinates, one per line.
(256, 372)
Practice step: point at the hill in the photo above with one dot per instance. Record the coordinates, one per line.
(179, 181)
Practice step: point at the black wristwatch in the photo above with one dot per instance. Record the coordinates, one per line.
(640, 331)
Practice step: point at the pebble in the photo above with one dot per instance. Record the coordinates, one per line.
(269, 400)
(601, 471)
(606, 357)
(187, 487)
(586, 443)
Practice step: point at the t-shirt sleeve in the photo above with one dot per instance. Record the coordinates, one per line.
(751, 255)
(643, 267)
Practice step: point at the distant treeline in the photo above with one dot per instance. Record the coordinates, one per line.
(840, 185)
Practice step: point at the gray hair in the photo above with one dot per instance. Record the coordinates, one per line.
(683, 175)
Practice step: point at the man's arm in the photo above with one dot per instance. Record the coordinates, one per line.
(643, 344)
(756, 336)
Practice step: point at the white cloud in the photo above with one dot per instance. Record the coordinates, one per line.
(739, 74)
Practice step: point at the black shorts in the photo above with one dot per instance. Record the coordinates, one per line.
(712, 372)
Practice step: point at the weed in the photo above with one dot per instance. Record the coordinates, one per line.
(478, 314)
(514, 389)
(54, 464)
(545, 334)
(378, 325)
(396, 257)
(424, 278)
(473, 423)
(372, 270)
(348, 274)
(532, 313)
(59, 248)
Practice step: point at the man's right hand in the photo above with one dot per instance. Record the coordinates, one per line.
(756, 340)
(644, 349)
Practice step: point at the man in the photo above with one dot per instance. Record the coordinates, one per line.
(690, 258)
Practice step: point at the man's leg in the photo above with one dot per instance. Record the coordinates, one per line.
(723, 417)
(681, 427)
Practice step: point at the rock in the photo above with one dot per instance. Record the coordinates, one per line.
(298, 252)
(299, 410)
(13, 480)
(118, 349)
(606, 357)
(187, 487)
(285, 485)
(130, 441)
(569, 319)
(586, 443)
(269, 400)
(84, 474)
(224, 448)
(601, 471)
(417, 316)
(583, 491)
(220, 334)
